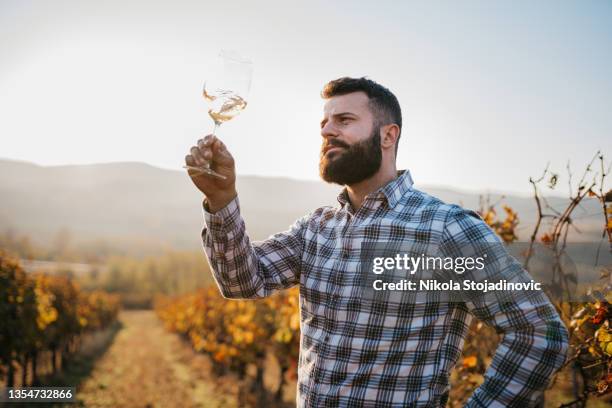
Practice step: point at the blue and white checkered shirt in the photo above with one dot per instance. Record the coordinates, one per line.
(356, 353)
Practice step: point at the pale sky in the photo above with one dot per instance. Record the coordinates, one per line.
(490, 91)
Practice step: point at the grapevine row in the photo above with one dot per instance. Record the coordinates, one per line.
(41, 313)
(237, 334)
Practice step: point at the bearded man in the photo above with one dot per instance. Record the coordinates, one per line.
(354, 351)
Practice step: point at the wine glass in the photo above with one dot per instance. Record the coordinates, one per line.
(225, 90)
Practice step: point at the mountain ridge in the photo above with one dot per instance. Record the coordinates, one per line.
(138, 201)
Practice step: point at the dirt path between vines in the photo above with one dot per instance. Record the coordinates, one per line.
(148, 367)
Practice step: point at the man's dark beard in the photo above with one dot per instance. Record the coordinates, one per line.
(354, 163)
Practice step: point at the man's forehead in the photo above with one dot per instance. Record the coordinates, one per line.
(355, 102)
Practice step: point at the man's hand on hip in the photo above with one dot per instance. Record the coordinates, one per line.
(219, 192)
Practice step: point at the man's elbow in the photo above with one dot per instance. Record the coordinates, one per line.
(233, 293)
(556, 338)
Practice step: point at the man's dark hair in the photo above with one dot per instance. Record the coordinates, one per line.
(383, 104)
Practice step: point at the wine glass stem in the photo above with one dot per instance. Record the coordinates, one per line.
(214, 133)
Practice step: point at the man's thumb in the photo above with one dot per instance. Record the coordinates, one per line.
(221, 151)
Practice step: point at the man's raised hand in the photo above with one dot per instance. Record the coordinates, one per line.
(219, 192)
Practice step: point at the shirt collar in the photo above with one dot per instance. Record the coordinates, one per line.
(393, 191)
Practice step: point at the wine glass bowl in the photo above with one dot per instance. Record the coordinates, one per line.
(223, 105)
(225, 91)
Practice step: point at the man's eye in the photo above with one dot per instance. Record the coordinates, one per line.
(345, 121)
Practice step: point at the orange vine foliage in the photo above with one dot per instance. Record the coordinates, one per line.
(236, 333)
(42, 312)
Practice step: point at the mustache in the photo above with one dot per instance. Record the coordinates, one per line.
(335, 143)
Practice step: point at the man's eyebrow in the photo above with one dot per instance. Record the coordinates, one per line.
(339, 115)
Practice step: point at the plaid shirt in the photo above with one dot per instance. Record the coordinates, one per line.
(359, 354)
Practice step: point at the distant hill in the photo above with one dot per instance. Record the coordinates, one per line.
(136, 202)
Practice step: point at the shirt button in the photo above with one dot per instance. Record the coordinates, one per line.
(345, 253)
(221, 255)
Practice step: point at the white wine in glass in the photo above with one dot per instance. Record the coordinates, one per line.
(225, 91)
(224, 105)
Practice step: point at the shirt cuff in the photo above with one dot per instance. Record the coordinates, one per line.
(223, 220)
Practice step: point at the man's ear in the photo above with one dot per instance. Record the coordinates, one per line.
(389, 135)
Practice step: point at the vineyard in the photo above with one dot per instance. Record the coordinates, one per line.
(43, 320)
(239, 335)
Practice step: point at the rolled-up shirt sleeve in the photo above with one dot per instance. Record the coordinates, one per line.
(246, 270)
(534, 339)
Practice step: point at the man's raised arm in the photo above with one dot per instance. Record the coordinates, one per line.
(242, 270)
(245, 270)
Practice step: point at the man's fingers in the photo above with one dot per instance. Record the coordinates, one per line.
(206, 148)
(219, 147)
(190, 161)
(222, 155)
(208, 140)
(197, 155)
(210, 149)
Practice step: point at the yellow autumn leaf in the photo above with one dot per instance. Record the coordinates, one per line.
(470, 361)
(604, 336)
(593, 351)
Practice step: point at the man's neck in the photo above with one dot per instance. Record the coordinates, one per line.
(357, 192)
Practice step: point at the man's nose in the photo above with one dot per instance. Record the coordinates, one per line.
(329, 130)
